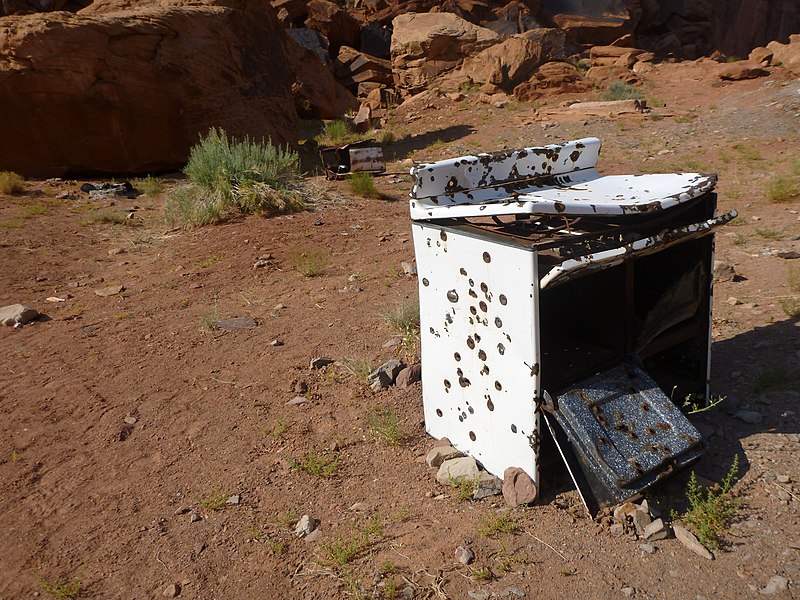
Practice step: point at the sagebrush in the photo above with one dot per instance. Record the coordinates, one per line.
(226, 174)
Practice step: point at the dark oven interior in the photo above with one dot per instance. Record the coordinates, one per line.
(654, 308)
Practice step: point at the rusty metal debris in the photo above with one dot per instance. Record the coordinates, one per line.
(363, 156)
(545, 285)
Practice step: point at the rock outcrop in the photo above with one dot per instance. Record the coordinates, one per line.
(515, 59)
(426, 45)
(116, 91)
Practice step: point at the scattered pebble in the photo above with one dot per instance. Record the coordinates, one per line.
(465, 555)
(385, 375)
(647, 548)
(320, 362)
(305, 525)
(194, 518)
(518, 487)
(235, 499)
(130, 420)
(393, 342)
(409, 376)
(409, 268)
(775, 584)
(111, 290)
(439, 454)
(688, 539)
(359, 507)
(173, 590)
(752, 417)
(656, 530)
(17, 315)
(236, 323)
(628, 591)
(276, 342)
(783, 479)
(298, 400)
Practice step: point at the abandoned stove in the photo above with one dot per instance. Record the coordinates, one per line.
(548, 290)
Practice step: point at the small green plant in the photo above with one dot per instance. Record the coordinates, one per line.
(342, 551)
(278, 429)
(769, 234)
(493, 524)
(710, 511)
(215, 501)
(335, 133)
(11, 183)
(465, 487)
(390, 589)
(318, 464)
(33, 210)
(207, 262)
(774, 379)
(63, 589)
(403, 318)
(387, 568)
(436, 144)
(384, 427)
(693, 405)
(783, 188)
(358, 367)
(189, 207)
(107, 217)
(386, 137)
(363, 185)
(482, 574)
(286, 520)
(617, 90)
(311, 262)
(567, 571)
(732, 59)
(11, 224)
(149, 186)
(739, 239)
(747, 152)
(791, 307)
(793, 279)
(469, 88)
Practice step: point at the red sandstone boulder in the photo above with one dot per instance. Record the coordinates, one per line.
(131, 91)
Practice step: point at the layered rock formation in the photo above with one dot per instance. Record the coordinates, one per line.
(111, 90)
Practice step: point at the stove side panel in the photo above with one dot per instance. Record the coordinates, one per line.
(479, 344)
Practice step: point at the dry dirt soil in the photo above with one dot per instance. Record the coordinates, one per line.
(124, 508)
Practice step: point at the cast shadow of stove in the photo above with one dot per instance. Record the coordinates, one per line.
(402, 147)
(756, 371)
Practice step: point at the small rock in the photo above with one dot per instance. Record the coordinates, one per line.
(236, 323)
(439, 454)
(194, 518)
(641, 519)
(130, 420)
(628, 591)
(314, 536)
(518, 487)
(235, 499)
(393, 343)
(171, 591)
(199, 547)
(787, 254)
(512, 591)
(261, 263)
(276, 342)
(617, 529)
(409, 268)
(487, 485)
(117, 251)
(752, 417)
(724, 271)
(444, 441)
(451, 471)
(465, 555)
(111, 290)
(320, 362)
(385, 375)
(733, 301)
(688, 539)
(16, 315)
(784, 495)
(409, 376)
(55, 299)
(359, 507)
(182, 510)
(656, 530)
(479, 594)
(305, 525)
(775, 584)
(647, 548)
(298, 400)
(623, 511)
(783, 479)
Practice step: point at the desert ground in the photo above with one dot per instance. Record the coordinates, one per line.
(142, 448)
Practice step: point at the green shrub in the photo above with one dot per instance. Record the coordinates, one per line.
(235, 174)
(149, 186)
(709, 511)
(10, 182)
(618, 90)
(783, 188)
(362, 185)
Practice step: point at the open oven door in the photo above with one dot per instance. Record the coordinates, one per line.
(618, 433)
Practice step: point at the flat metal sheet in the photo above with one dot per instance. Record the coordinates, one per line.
(625, 432)
(584, 192)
